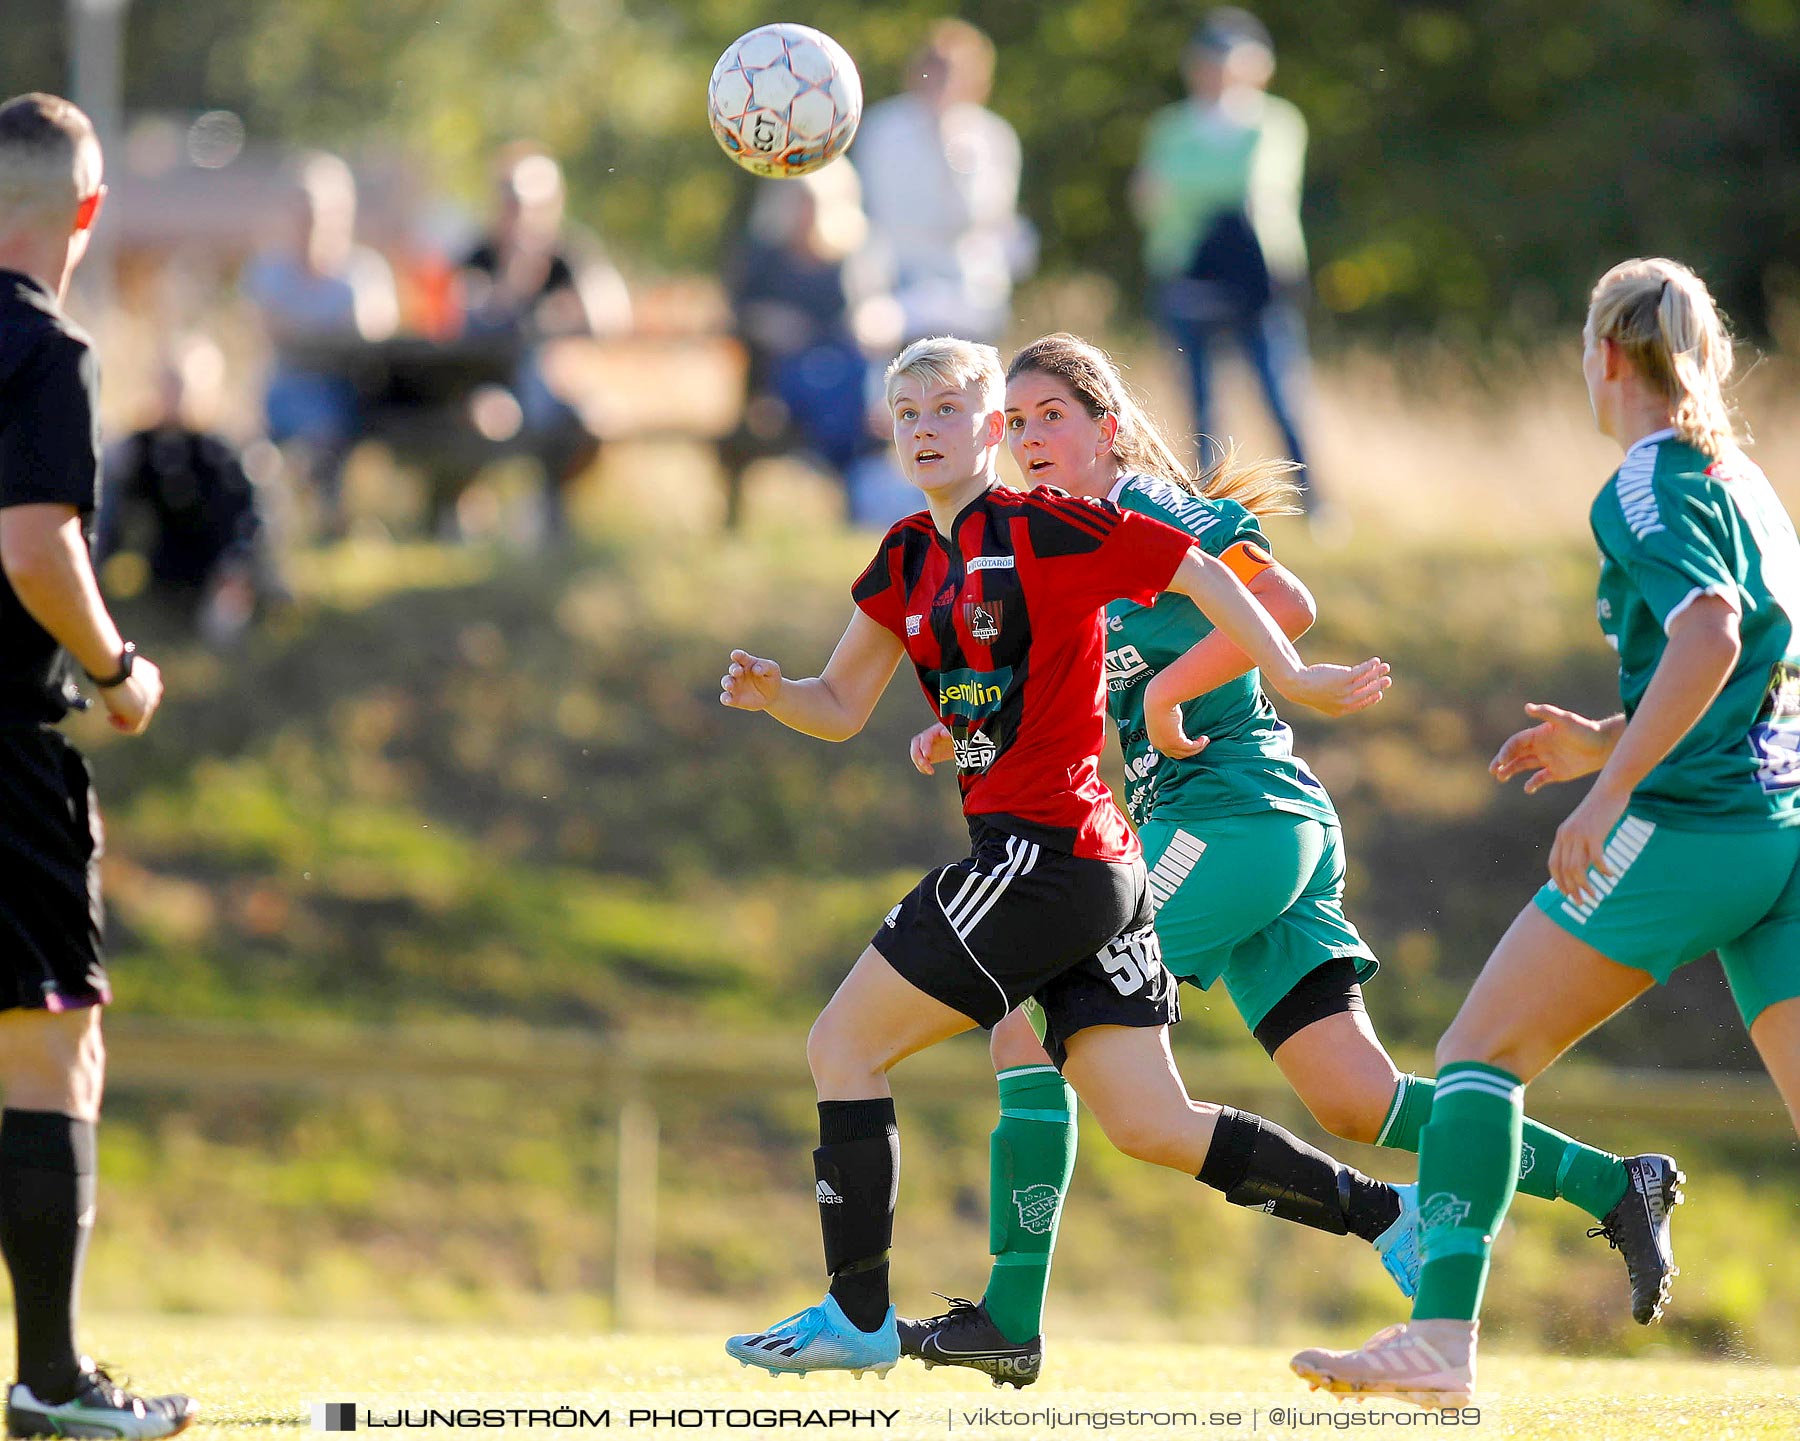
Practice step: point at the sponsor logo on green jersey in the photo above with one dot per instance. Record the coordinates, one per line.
(1123, 666)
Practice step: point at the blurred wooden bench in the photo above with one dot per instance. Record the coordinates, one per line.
(432, 402)
(671, 387)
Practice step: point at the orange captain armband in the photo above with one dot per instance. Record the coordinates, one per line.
(1246, 560)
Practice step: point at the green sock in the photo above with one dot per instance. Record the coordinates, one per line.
(1468, 1170)
(1032, 1156)
(1551, 1165)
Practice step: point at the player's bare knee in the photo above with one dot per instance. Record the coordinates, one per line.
(1351, 1117)
(1015, 1044)
(54, 1062)
(1491, 1045)
(838, 1066)
(1141, 1136)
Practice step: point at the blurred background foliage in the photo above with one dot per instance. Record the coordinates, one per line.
(464, 791)
(1470, 164)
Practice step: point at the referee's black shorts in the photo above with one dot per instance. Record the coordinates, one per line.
(51, 922)
(1017, 920)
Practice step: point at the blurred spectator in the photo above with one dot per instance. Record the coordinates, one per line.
(316, 292)
(1217, 190)
(178, 513)
(811, 306)
(528, 282)
(941, 188)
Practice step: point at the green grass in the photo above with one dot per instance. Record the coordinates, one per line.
(258, 1378)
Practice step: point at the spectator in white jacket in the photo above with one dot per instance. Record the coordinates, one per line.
(941, 188)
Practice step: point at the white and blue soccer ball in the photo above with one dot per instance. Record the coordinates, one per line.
(784, 99)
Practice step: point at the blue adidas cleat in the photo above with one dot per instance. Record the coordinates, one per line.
(1398, 1246)
(820, 1338)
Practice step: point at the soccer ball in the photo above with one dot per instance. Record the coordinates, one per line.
(783, 100)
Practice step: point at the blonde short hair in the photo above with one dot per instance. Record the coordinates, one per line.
(49, 156)
(1661, 315)
(943, 360)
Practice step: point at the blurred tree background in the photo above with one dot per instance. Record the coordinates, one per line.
(466, 793)
(1471, 165)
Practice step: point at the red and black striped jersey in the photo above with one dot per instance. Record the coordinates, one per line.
(1003, 622)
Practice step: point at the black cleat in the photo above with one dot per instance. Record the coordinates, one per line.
(98, 1409)
(966, 1336)
(1639, 1226)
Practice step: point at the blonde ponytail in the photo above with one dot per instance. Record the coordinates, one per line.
(1261, 487)
(1661, 315)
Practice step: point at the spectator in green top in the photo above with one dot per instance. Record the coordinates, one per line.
(1217, 190)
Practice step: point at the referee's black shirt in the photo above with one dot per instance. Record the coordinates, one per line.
(49, 453)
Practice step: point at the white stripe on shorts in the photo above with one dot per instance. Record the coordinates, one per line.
(1175, 865)
(966, 911)
(1027, 858)
(1626, 845)
(983, 888)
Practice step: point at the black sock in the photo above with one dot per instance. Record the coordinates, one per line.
(1371, 1207)
(858, 1171)
(46, 1191)
(1256, 1163)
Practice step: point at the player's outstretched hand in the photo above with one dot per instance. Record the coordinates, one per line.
(131, 703)
(1563, 746)
(1339, 689)
(931, 747)
(749, 682)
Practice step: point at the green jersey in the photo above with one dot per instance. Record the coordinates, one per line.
(1673, 526)
(1250, 764)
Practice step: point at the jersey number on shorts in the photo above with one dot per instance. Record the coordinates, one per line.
(1134, 960)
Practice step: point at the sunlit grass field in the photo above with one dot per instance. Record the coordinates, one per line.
(261, 1378)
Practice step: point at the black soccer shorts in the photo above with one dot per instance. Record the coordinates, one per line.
(51, 921)
(1018, 920)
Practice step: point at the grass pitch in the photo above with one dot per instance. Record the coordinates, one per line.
(261, 1379)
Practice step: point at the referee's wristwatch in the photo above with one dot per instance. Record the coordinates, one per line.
(127, 659)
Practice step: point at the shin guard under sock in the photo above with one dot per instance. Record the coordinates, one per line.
(1031, 1157)
(857, 1167)
(46, 1214)
(1258, 1164)
(1468, 1170)
(1551, 1165)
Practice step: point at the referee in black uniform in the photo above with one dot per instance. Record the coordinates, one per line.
(52, 974)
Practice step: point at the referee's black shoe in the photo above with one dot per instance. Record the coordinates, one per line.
(966, 1335)
(1639, 1226)
(99, 1408)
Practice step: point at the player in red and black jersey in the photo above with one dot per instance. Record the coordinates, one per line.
(996, 598)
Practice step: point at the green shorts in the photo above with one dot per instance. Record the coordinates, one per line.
(1257, 900)
(1675, 895)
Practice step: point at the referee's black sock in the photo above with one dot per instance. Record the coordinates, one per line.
(858, 1170)
(46, 1214)
(1256, 1163)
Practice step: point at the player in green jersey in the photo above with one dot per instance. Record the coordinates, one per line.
(1243, 843)
(1688, 839)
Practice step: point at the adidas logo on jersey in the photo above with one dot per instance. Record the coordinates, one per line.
(827, 1196)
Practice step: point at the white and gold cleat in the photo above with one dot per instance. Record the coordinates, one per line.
(1429, 1363)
